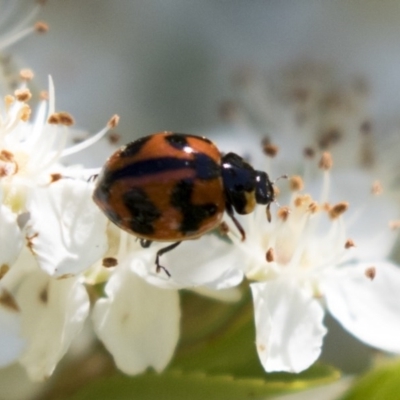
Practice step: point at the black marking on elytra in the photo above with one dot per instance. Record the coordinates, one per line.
(187, 135)
(144, 212)
(177, 140)
(193, 214)
(133, 148)
(205, 167)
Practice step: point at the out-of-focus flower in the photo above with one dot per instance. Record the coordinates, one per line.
(315, 253)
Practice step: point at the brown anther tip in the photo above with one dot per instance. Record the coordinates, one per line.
(6, 156)
(25, 112)
(296, 183)
(326, 161)
(394, 225)
(223, 228)
(8, 99)
(113, 121)
(113, 137)
(109, 262)
(23, 95)
(3, 270)
(61, 118)
(26, 74)
(270, 149)
(349, 244)
(44, 95)
(283, 213)
(7, 300)
(376, 188)
(55, 177)
(302, 200)
(270, 255)
(41, 27)
(228, 110)
(338, 209)
(370, 273)
(309, 152)
(313, 207)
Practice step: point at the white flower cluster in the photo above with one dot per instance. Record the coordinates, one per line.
(327, 247)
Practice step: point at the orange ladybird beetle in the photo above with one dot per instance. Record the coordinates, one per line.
(174, 187)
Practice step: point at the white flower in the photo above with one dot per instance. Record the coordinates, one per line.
(305, 259)
(138, 320)
(50, 229)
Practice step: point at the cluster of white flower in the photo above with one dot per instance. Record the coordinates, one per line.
(329, 247)
(326, 247)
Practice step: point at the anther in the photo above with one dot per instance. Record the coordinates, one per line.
(61, 118)
(283, 213)
(270, 149)
(41, 27)
(270, 255)
(7, 300)
(23, 95)
(113, 122)
(338, 209)
(296, 183)
(349, 244)
(26, 74)
(326, 161)
(370, 273)
(313, 207)
(109, 262)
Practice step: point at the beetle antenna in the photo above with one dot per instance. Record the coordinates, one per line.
(285, 176)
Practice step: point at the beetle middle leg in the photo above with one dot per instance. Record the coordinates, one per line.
(160, 253)
(229, 210)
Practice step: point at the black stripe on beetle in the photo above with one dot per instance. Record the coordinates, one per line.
(144, 212)
(193, 214)
(205, 167)
(134, 148)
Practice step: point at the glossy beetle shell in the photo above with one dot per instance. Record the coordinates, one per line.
(163, 187)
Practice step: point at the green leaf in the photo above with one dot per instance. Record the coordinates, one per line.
(379, 384)
(176, 385)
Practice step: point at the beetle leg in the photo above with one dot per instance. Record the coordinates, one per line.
(145, 243)
(229, 210)
(92, 178)
(160, 253)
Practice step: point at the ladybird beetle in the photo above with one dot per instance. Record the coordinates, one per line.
(173, 187)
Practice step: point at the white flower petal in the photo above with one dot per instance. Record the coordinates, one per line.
(289, 328)
(53, 313)
(11, 238)
(67, 230)
(11, 342)
(138, 323)
(208, 261)
(367, 308)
